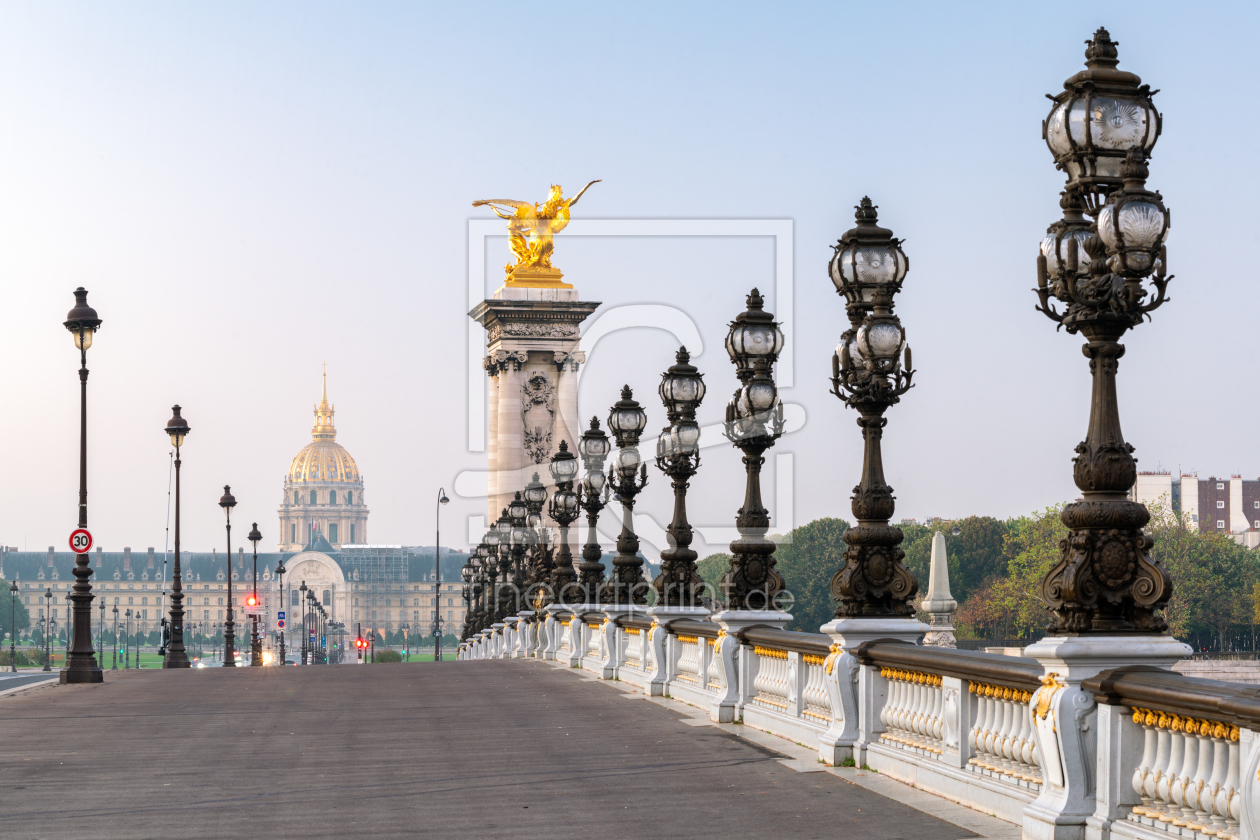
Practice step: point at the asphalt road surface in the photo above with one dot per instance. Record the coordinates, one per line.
(478, 750)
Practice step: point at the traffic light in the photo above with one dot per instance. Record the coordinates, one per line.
(251, 601)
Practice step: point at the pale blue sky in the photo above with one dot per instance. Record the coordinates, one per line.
(251, 190)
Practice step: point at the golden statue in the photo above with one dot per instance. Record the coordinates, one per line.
(531, 228)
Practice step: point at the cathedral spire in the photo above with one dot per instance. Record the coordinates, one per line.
(324, 428)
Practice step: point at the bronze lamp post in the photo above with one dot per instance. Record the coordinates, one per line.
(227, 501)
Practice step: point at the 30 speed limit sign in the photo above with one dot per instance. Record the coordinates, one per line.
(80, 540)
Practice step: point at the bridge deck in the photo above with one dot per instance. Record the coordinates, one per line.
(477, 750)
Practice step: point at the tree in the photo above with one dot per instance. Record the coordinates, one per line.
(711, 569)
(808, 559)
(6, 613)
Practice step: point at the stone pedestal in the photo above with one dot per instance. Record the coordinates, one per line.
(1066, 727)
(732, 657)
(551, 632)
(524, 634)
(663, 646)
(859, 724)
(498, 637)
(939, 603)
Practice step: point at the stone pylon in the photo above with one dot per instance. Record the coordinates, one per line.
(532, 361)
(939, 604)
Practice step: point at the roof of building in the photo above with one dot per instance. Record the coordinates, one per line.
(323, 459)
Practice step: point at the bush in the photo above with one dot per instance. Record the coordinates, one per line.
(388, 656)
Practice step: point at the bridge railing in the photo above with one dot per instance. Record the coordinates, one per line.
(1166, 755)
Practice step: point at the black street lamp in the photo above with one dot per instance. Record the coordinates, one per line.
(499, 540)
(255, 642)
(564, 510)
(626, 419)
(754, 421)
(70, 626)
(284, 605)
(868, 374)
(177, 655)
(227, 501)
(81, 664)
(593, 495)
(101, 646)
(302, 600)
(13, 590)
(127, 648)
(536, 570)
(437, 565)
(1101, 130)
(678, 456)
(114, 667)
(47, 631)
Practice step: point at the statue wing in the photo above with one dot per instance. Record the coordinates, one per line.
(508, 201)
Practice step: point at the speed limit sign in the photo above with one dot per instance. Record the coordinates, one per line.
(80, 540)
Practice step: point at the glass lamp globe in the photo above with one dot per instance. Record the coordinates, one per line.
(594, 482)
(627, 418)
(594, 445)
(535, 494)
(754, 334)
(686, 437)
(563, 465)
(682, 386)
(517, 509)
(867, 259)
(881, 341)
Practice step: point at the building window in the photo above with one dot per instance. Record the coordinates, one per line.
(352, 524)
(220, 613)
(349, 498)
(1220, 523)
(1258, 524)
(313, 497)
(1220, 486)
(327, 598)
(130, 601)
(332, 497)
(293, 533)
(297, 497)
(1220, 505)
(1256, 505)
(207, 615)
(332, 532)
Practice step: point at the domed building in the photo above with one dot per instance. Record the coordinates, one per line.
(323, 491)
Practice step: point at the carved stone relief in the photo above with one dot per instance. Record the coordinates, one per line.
(538, 414)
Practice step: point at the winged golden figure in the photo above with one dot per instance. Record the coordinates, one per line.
(531, 230)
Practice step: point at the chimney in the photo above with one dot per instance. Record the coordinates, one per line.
(150, 557)
(100, 556)
(50, 556)
(126, 559)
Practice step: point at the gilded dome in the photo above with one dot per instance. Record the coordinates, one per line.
(323, 459)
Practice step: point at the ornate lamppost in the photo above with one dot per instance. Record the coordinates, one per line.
(679, 586)
(177, 656)
(81, 664)
(47, 628)
(625, 586)
(255, 641)
(1106, 590)
(1101, 129)
(593, 497)
(227, 501)
(564, 510)
(127, 646)
(868, 375)
(302, 607)
(284, 605)
(114, 667)
(518, 542)
(754, 421)
(437, 567)
(538, 565)
(13, 590)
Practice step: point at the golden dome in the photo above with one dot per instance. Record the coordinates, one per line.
(323, 459)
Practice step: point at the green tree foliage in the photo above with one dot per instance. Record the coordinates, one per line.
(6, 611)
(712, 568)
(808, 558)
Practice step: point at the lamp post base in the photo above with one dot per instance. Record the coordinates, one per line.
(82, 675)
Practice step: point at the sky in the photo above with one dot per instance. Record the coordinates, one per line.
(250, 191)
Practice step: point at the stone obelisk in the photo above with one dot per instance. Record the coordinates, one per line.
(939, 604)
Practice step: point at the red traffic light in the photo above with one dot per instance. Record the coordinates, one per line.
(252, 600)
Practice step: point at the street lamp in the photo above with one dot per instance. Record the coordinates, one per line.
(868, 269)
(70, 626)
(115, 645)
(81, 665)
(47, 616)
(564, 510)
(255, 643)
(627, 476)
(177, 655)
(1101, 130)
(437, 564)
(302, 606)
(284, 605)
(227, 501)
(593, 496)
(13, 590)
(101, 647)
(537, 569)
(678, 456)
(127, 648)
(754, 421)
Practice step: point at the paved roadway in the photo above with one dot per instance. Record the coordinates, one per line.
(457, 750)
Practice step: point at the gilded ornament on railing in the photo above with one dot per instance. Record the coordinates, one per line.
(910, 676)
(531, 231)
(770, 653)
(813, 659)
(689, 640)
(1050, 685)
(831, 658)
